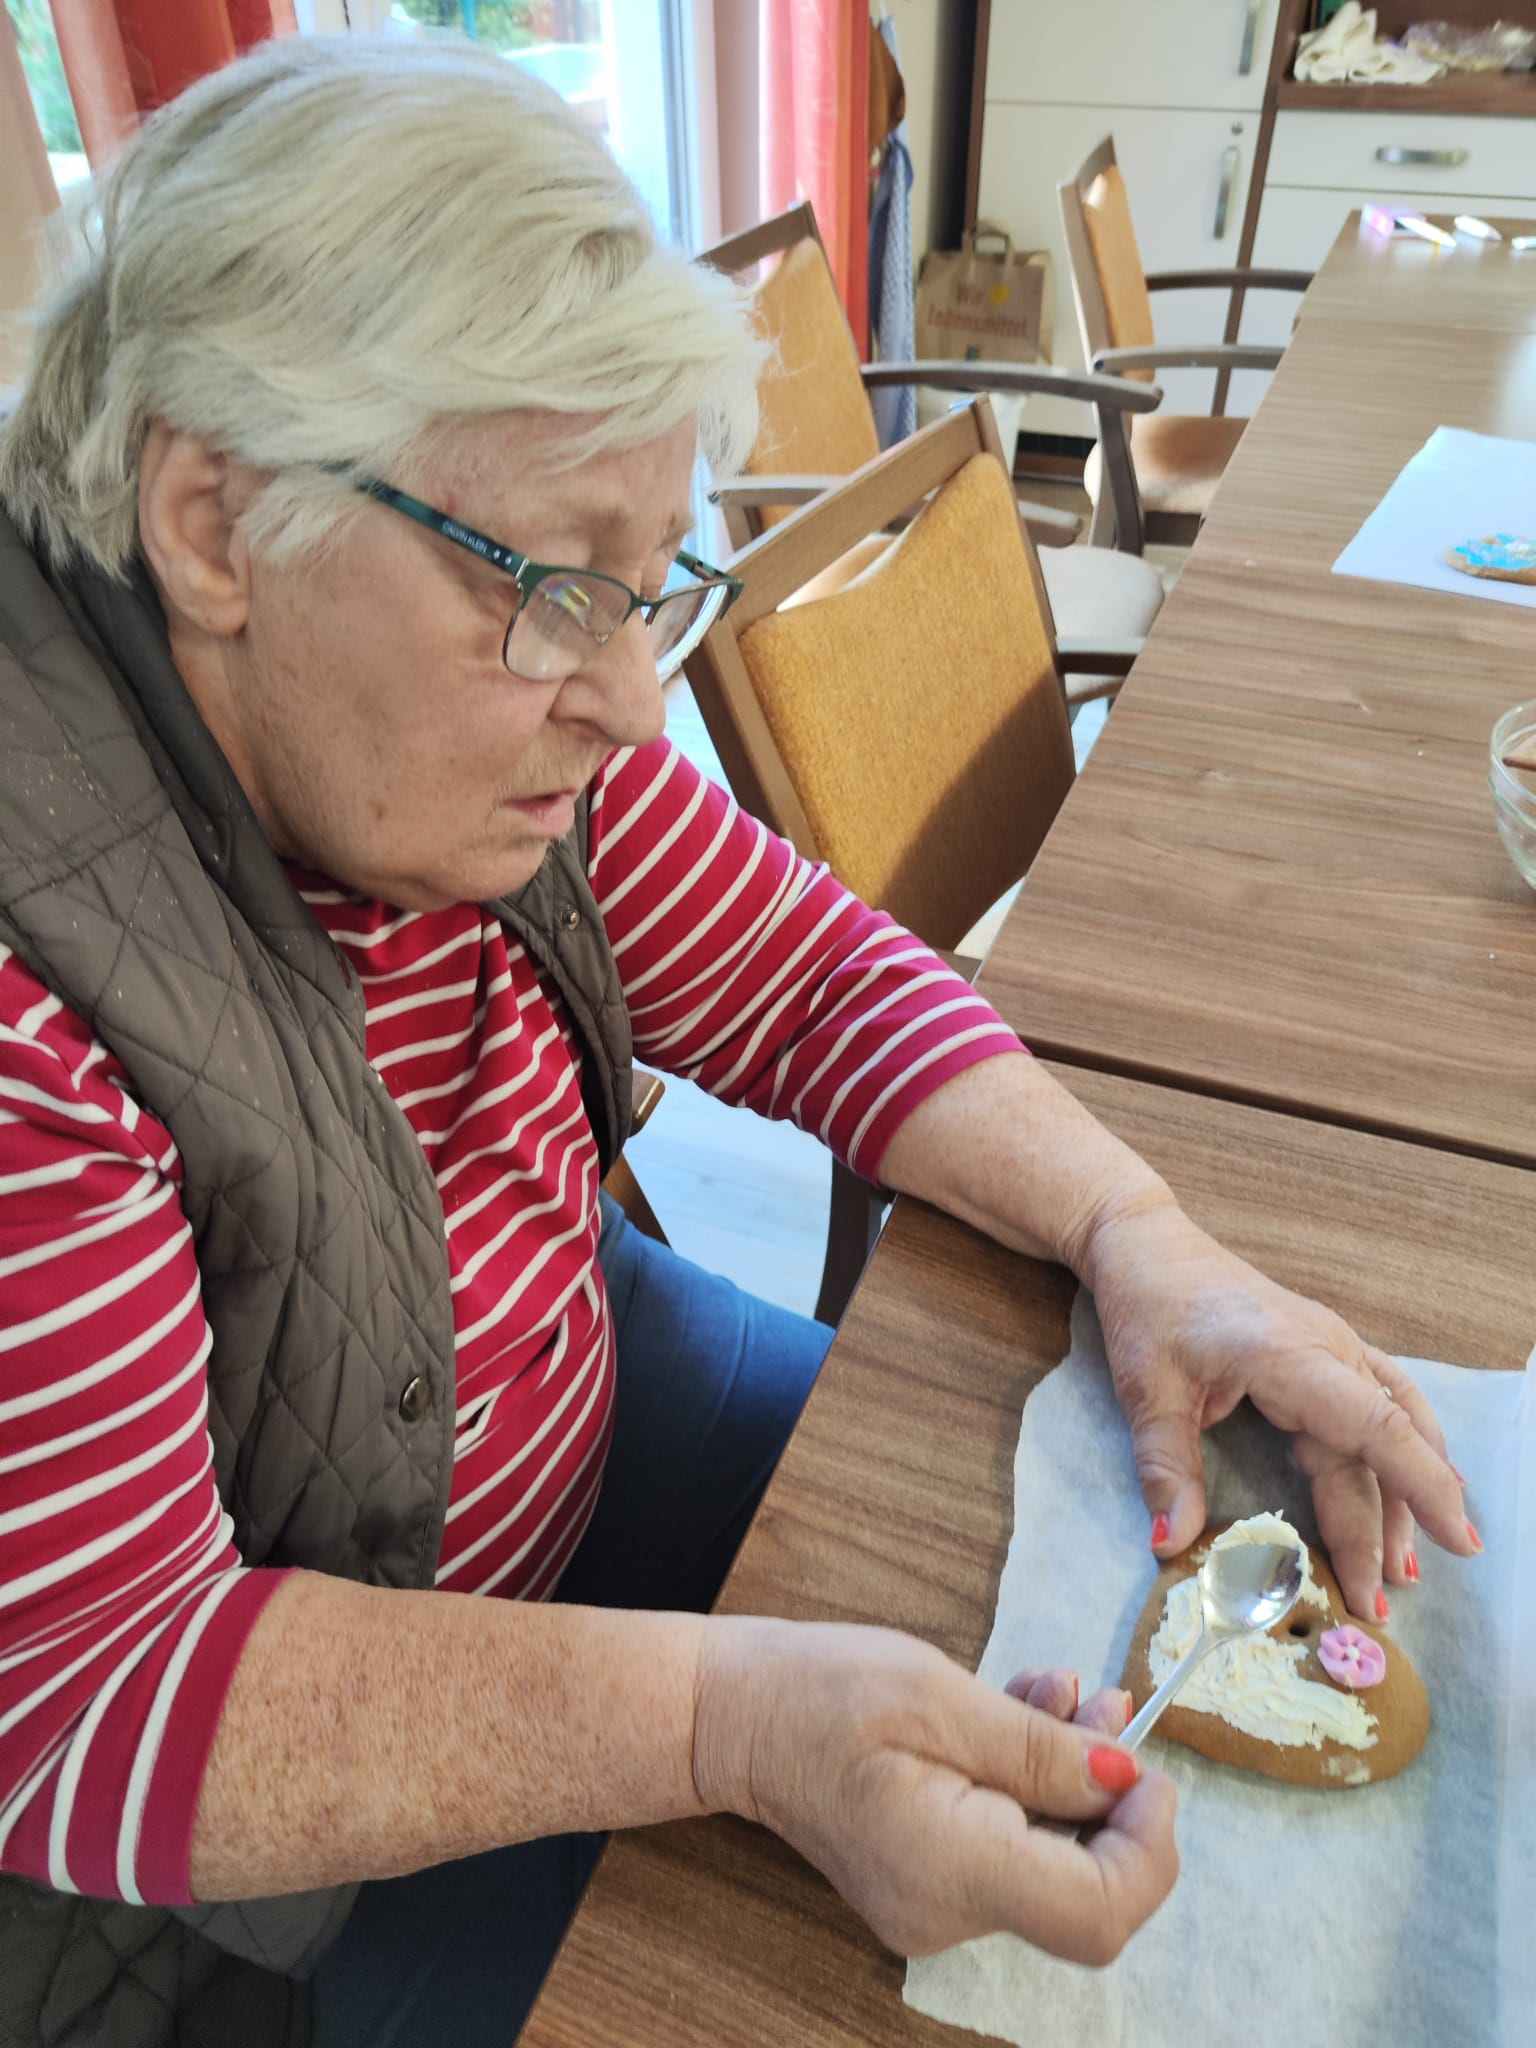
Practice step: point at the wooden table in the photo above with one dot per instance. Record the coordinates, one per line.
(1278, 878)
(894, 1500)
(1483, 284)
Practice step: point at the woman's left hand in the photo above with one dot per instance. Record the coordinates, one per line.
(1056, 1691)
(1190, 1329)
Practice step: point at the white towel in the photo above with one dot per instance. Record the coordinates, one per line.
(1348, 51)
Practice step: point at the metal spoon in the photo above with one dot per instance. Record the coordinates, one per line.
(1243, 1588)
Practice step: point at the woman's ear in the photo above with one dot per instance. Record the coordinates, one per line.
(189, 501)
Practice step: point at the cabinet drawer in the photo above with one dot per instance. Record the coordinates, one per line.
(1391, 153)
(1129, 53)
(1298, 227)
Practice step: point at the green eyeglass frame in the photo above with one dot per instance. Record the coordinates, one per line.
(529, 575)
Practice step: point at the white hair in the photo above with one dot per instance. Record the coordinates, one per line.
(336, 245)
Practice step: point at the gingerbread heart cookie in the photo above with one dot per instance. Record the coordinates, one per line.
(1319, 1700)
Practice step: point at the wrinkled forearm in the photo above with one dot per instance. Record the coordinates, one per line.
(1005, 1147)
(367, 1733)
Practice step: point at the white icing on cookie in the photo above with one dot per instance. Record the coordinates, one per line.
(1255, 1685)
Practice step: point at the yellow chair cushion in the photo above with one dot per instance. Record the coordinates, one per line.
(814, 415)
(1180, 457)
(919, 713)
(1117, 261)
(1179, 460)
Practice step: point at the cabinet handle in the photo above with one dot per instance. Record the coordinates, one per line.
(1440, 159)
(1229, 163)
(1250, 38)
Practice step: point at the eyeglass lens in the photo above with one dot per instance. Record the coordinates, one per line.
(554, 631)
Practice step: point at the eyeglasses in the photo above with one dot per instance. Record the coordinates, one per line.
(563, 615)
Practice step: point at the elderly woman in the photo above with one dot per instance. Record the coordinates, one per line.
(364, 1479)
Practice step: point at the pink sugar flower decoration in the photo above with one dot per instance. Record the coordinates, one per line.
(1352, 1658)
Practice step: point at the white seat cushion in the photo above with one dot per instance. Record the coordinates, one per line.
(1098, 595)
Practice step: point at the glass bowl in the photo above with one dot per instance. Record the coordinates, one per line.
(1514, 789)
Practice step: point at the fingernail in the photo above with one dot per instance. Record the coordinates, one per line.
(1411, 1564)
(1159, 1531)
(1077, 1691)
(1130, 1708)
(1115, 1769)
(1382, 1609)
(1459, 1474)
(1473, 1538)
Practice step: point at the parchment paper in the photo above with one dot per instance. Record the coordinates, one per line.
(1402, 1913)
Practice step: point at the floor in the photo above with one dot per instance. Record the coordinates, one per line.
(743, 1196)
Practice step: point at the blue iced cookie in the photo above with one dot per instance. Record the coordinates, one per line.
(1506, 557)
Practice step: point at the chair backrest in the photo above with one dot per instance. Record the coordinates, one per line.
(814, 413)
(1109, 280)
(909, 727)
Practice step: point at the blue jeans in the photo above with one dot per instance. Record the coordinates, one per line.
(710, 1382)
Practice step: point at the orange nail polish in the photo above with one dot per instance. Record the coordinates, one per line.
(1159, 1530)
(1130, 1708)
(1473, 1538)
(1411, 1565)
(1382, 1609)
(1115, 1769)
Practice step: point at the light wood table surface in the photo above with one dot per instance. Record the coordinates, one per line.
(1278, 878)
(1482, 284)
(894, 1501)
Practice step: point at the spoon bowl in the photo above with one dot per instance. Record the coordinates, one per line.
(1249, 1586)
(1244, 1589)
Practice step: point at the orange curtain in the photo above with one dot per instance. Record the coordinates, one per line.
(124, 58)
(813, 85)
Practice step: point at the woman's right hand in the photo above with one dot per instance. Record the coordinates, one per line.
(909, 1784)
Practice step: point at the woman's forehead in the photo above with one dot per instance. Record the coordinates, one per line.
(511, 473)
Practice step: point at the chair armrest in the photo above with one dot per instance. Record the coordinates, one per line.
(648, 1091)
(1215, 355)
(1047, 526)
(966, 965)
(1107, 658)
(771, 490)
(1083, 690)
(1043, 378)
(1249, 277)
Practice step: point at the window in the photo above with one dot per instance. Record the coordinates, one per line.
(40, 60)
(616, 61)
(626, 66)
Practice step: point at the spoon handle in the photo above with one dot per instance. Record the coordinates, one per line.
(1142, 1724)
(1205, 1642)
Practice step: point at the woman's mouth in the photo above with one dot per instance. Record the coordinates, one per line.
(553, 811)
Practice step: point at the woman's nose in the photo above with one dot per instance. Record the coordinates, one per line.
(623, 689)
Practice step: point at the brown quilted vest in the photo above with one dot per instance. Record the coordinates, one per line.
(136, 883)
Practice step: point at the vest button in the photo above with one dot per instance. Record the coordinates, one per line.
(416, 1400)
(570, 917)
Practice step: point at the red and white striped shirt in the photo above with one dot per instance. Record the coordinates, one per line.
(124, 1604)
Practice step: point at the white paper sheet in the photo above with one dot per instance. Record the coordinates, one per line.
(1398, 1915)
(1458, 487)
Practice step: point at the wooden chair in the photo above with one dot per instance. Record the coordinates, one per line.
(817, 427)
(908, 727)
(1177, 459)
